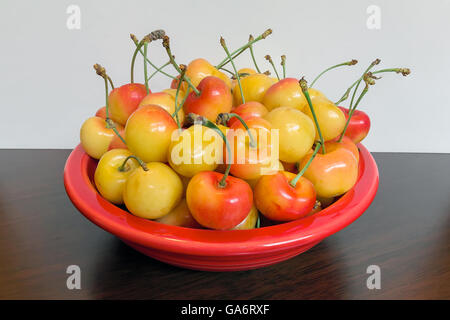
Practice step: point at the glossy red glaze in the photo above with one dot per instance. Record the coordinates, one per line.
(214, 98)
(359, 125)
(213, 250)
(279, 201)
(215, 207)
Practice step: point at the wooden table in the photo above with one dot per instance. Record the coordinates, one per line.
(406, 232)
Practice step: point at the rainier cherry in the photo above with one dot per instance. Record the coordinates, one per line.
(254, 88)
(359, 125)
(96, 136)
(180, 216)
(218, 201)
(112, 172)
(249, 109)
(285, 196)
(165, 100)
(195, 149)
(331, 119)
(250, 222)
(214, 98)
(148, 133)
(296, 132)
(152, 190)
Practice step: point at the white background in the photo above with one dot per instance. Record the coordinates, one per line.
(48, 87)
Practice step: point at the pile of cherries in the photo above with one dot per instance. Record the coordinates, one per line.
(222, 146)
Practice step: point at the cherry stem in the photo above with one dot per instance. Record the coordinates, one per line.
(226, 70)
(133, 59)
(250, 38)
(166, 44)
(141, 163)
(177, 108)
(223, 118)
(109, 123)
(237, 52)
(304, 87)
(197, 119)
(346, 94)
(224, 46)
(158, 70)
(283, 64)
(138, 49)
(294, 181)
(348, 63)
(145, 67)
(269, 58)
(350, 114)
(110, 82)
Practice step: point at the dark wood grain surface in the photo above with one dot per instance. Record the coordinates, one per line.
(406, 232)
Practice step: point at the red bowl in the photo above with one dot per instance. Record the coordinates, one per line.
(213, 250)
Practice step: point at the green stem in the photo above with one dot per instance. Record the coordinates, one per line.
(223, 118)
(294, 181)
(226, 70)
(348, 63)
(222, 42)
(345, 95)
(176, 66)
(283, 64)
(141, 163)
(110, 82)
(176, 97)
(133, 59)
(253, 55)
(158, 70)
(352, 110)
(237, 52)
(268, 58)
(304, 87)
(145, 67)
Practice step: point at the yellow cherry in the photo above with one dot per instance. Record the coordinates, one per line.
(154, 192)
(195, 149)
(166, 101)
(250, 221)
(254, 87)
(296, 132)
(331, 119)
(148, 133)
(180, 216)
(95, 137)
(110, 177)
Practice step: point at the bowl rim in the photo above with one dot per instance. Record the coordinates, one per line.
(147, 233)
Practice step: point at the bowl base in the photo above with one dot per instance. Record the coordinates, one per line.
(222, 263)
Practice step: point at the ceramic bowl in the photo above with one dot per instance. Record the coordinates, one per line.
(213, 250)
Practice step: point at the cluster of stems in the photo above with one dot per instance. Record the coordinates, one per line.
(238, 51)
(369, 78)
(224, 46)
